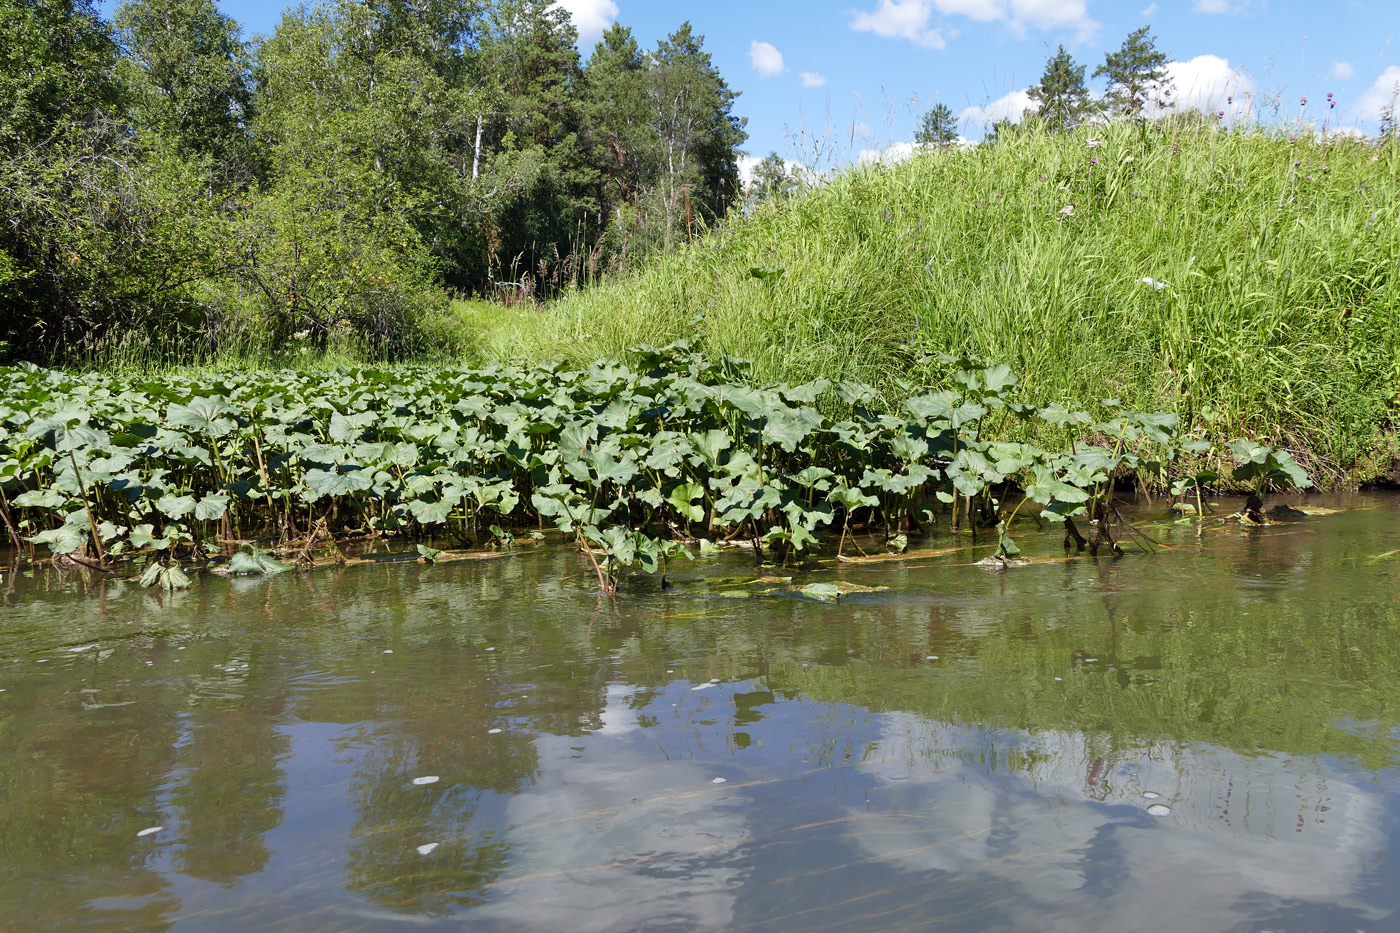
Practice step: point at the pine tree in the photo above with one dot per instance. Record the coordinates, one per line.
(692, 109)
(1137, 75)
(613, 102)
(1064, 100)
(939, 128)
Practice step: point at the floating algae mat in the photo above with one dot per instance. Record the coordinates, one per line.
(1203, 737)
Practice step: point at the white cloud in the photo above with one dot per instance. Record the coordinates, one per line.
(748, 163)
(767, 60)
(1149, 10)
(812, 79)
(892, 154)
(591, 18)
(901, 19)
(1009, 106)
(1053, 14)
(1342, 71)
(1208, 83)
(1212, 6)
(910, 19)
(1385, 92)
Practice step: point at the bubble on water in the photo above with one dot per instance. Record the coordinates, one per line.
(932, 657)
(82, 648)
(1151, 795)
(490, 649)
(149, 831)
(427, 848)
(1059, 678)
(1158, 809)
(426, 779)
(388, 650)
(493, 731)
(701, 686)
(719, 780)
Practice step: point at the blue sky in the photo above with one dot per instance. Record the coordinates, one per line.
(825, 80)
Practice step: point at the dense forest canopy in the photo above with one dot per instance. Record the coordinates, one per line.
(165, 181)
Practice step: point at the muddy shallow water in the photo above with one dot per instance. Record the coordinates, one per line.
(1203, 738)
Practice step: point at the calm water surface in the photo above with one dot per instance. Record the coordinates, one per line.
(966, 749)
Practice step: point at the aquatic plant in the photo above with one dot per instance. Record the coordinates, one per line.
(634, 463)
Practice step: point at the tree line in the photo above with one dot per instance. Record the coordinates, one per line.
(1138, 84)
(164, 180)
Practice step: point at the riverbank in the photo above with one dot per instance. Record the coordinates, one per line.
(1245, 281)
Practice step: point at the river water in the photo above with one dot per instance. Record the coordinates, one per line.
(1202, 738)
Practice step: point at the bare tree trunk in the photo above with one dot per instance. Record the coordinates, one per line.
(476, 156)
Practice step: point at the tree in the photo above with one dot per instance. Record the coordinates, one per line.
(186, 70)
(939, 128)
(1137, 75)
(772, 181)
(699, 137)
(613, 100)
(1063, 98)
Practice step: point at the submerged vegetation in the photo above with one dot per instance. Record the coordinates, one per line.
(1243, 279)
(638, 465)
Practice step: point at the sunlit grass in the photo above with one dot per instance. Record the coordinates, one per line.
(1279, 317)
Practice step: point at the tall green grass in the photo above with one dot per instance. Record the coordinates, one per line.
(1280, 318)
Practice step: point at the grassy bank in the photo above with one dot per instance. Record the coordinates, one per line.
(1272, 312)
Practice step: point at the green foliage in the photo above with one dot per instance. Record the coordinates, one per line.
(181, 194)
(1063, 98)
(772, 181)
(186, 68)
(1270, 317)
(939, 128)
(1137, 75)
(627, 461)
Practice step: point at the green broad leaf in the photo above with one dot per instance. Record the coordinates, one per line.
(176, 506)
(209, 416)
(345, 429)
(611, 469)
(688, 501)
(107, 531)
(428, 555)
(210, 508)
(812, 477)
(927, 408)
(803, 538)
(998, 379)
(256, 562)
(824, 592)
(142, 536)
(766, 275)
(335, 482)
(856, 393)
(851, 497)
(167, 578)
(40, 499)
(1005, 546)
(710, 446)
(430, 511)
(63, 540)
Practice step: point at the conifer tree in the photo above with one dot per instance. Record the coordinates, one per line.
(1064, 99)
(1137, 75)
(939, 128)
